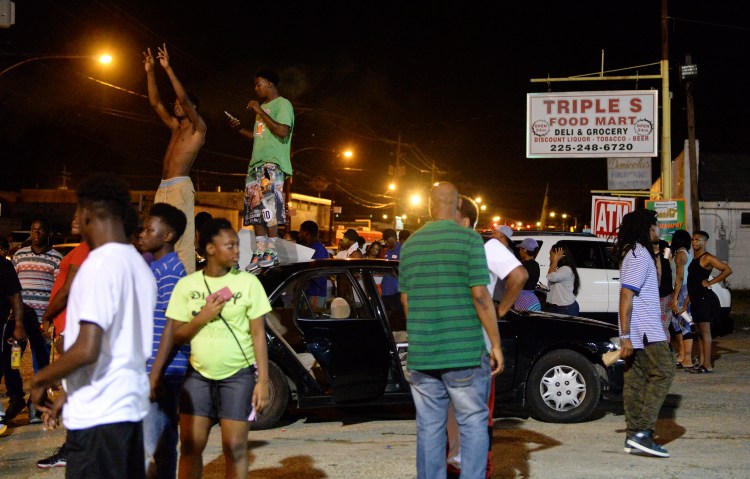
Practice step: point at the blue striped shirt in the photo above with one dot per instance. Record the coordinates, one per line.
(167, 270)
(638, 273)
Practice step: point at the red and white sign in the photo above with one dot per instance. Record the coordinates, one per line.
(594, 124)
(607, 213)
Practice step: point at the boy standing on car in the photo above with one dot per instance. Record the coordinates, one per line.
(649, 369)
(270, 165)
(188, 136)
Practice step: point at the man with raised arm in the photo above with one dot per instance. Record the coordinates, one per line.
(188, 136)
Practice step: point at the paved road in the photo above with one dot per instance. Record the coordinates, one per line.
(704, 426)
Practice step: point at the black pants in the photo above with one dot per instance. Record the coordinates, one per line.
(13, 382)
(109, 451)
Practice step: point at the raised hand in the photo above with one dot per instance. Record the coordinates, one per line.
(148, 60)
(163, 55)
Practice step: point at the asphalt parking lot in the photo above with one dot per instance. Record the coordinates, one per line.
(703, 425)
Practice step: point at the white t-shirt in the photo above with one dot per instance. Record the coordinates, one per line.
(500, 261)
(345, 254)
(115, 289)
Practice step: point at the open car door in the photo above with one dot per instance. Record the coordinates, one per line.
(344, 335)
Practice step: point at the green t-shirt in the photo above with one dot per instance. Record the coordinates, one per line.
(213, 351)
(267, 147)
(440, 264)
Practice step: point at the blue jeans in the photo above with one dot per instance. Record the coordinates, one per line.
(570, 309)
(467, 389)
(160, 431)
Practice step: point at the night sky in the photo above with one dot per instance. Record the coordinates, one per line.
(450, 78)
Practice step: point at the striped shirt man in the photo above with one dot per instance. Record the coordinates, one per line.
(37, 273)
(440, 264)
(638, 274)
(167, 270)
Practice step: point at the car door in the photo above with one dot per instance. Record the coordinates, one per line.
(612, 272)
(344, 336)
(593, 293)
(505, 381)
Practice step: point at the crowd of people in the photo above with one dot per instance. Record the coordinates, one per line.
(146, 348)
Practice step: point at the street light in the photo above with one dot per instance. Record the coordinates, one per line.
(104, 59)
(344, 153)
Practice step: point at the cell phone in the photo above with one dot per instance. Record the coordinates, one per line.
(224, 292)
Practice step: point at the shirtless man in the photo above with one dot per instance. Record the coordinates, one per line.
(188, 136)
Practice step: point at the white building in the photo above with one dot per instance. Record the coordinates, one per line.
(724, 189)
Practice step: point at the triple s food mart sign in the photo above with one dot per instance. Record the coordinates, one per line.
(592, 124)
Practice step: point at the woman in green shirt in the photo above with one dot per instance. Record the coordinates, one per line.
(220, 311)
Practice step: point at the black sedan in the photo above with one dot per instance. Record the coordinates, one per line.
(335, 339)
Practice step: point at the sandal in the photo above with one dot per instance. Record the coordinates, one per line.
(679, 366)
(700, 370)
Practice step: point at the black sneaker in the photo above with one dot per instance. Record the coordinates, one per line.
(15, 406)
(35, 417)
(643, 442)
(57, 459)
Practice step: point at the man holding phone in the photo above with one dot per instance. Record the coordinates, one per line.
(270, 165)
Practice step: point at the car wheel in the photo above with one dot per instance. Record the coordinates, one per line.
(563, 387)
(278, 399)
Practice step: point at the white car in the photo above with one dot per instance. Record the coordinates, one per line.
(599, 293)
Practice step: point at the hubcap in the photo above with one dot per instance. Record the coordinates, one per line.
(562, 388)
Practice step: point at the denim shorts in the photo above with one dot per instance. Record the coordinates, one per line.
(229, 398)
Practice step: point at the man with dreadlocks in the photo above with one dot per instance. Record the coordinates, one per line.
(649, 366)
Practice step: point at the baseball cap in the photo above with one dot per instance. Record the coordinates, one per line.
(506, 230)
(529, 244)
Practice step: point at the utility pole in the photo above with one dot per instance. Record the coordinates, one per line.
(692, 153)
(396, 173)
(666, 110)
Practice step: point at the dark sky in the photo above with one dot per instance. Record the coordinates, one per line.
(450, 78)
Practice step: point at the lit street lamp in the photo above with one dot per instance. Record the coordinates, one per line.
(103, 59)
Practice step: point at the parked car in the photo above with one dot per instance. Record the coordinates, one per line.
(599, 293)
(333, 341)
